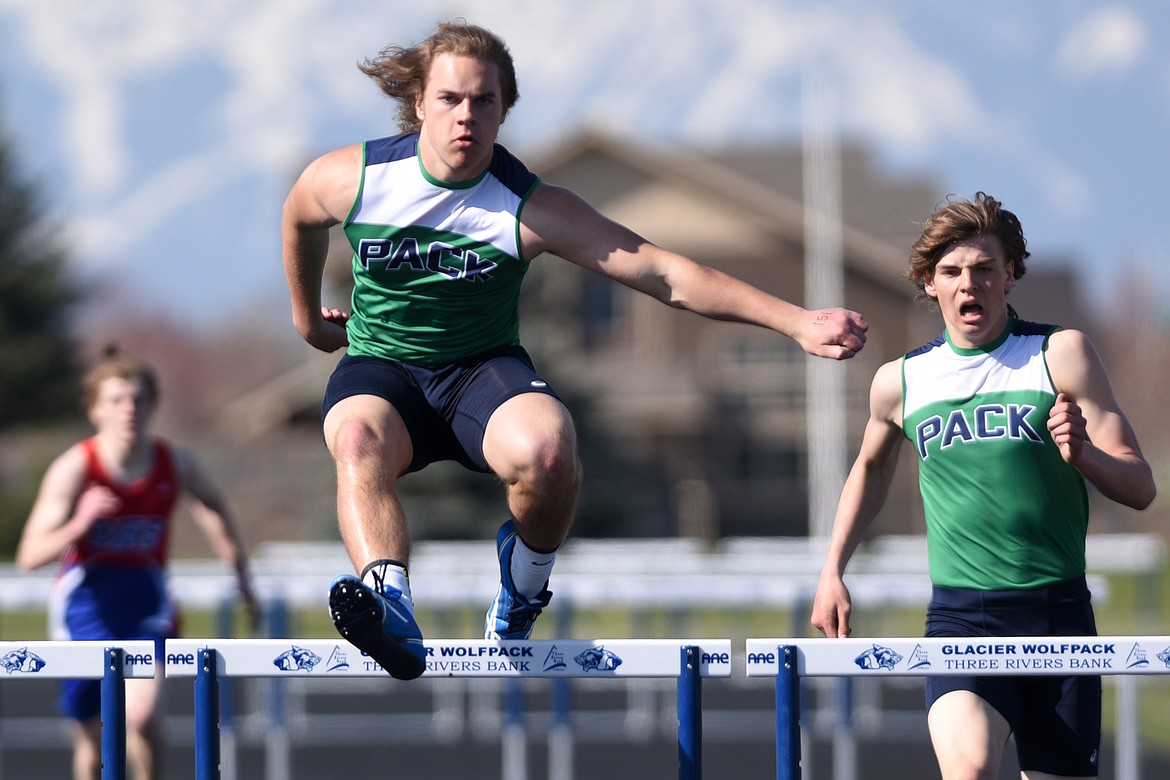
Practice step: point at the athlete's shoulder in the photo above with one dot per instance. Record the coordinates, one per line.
(1028, 328)
(1069, 345)
(511, 172)
(174, 462)
(391, 148)
(1035, 338)
(166, 450)
(885, 392)
(928, 347)
(77, 460)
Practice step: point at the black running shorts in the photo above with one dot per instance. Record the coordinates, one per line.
(1056, 719)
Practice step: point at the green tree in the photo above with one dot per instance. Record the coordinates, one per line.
(38, 367)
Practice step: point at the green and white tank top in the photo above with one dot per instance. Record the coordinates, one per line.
(437, 267)
(1003, 509)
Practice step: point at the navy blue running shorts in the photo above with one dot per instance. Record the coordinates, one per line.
(1056, 719)
(446, 409)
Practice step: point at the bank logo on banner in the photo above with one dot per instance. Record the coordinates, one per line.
(338, 660)
(23, 661)
(919, 659)
(1137, 658)
(555, 660)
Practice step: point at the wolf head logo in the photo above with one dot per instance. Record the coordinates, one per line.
(296, 659)
(878, 657)
(22, 661)
(597, 659)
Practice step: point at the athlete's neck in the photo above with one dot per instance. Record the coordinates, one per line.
(125, 460)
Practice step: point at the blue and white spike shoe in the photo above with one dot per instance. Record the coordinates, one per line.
(378, 624)
(511, 616)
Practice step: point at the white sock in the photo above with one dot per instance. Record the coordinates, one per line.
(530, 570)
(392, 574)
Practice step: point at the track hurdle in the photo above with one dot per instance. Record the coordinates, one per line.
(688, 660)
(89, 660)
(788, 660)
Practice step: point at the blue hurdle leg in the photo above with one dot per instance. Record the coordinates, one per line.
(787, 716)
(113, 717)
(207, 717)
(690, 715)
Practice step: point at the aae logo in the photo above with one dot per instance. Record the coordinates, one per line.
(296, 659)
(22, 660)
(139, 659)
(597, 659)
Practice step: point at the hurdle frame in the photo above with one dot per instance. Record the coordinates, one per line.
(210, 661)
(790, 660)
(88, 660)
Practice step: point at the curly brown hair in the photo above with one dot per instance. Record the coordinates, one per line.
(959, 219)
(402, 72)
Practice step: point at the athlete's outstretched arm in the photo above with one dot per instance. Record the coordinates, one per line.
(862, 498)
(1088, 426)
(558, 221)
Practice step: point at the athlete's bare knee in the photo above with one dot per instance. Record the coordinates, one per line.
(561, 463)
(354, 437)
(142, 723)
(552, 467)
(355, 440)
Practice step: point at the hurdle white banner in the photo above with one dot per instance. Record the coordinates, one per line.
(920, 656)
(453, 658)
(81, 660)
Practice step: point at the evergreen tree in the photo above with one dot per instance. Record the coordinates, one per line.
(38, 368)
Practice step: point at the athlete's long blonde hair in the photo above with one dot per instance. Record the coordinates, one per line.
(402, 72)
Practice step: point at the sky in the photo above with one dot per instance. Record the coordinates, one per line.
(164, 135)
